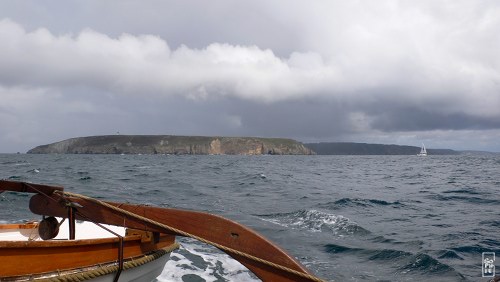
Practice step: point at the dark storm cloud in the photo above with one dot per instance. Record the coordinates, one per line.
(416, 119)
(192, 22)
(386, 71)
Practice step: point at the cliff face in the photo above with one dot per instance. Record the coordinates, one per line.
(168, 144)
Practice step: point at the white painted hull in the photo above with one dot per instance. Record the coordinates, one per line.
(143, 273)
(135, 270)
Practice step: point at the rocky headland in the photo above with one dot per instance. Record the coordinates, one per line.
(171, 144)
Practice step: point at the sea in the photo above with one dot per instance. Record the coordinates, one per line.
(346, 218)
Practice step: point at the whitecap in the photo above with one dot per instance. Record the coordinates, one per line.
(316, 221)
(197, 259)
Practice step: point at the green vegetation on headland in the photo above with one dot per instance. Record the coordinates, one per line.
(178, 145)
(349, 148)
(204, 145)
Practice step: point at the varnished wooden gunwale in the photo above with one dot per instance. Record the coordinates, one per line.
(30, 225)
(19, 258)
(24, 187)
(212, 227)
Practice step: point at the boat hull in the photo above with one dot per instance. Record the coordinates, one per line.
(144, 256)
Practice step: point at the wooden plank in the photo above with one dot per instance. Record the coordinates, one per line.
(210, 227)
(34, 257)
(17, 186)
(29, 225)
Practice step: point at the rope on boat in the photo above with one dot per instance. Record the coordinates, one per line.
(186, 234)
(109, 269)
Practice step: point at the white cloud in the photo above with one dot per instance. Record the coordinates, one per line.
(415, 57)
(381, 67)
(377, 56)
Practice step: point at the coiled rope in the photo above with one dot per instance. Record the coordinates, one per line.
(186, 234)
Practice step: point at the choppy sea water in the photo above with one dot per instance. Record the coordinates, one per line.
(347, 218)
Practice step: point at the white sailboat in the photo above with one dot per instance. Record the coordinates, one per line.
(423, 151)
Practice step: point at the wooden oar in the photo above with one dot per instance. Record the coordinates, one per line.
(223, 233)
(16, 186)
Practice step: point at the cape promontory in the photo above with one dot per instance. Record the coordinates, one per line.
(171, 144)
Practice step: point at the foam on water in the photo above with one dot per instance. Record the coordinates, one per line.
(316, 221)
(195, 261)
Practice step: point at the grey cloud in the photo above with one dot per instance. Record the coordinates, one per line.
(417, 119)
(328, 70)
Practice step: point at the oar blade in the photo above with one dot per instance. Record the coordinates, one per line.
(210, 227)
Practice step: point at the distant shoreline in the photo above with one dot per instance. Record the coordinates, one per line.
(352, 148)
(218, 145)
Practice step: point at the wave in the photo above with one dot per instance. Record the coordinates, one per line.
(16, 163)
(449, 254)
(472, 200)
(383, 254)
(388, 254)
(406, 261)
(426, 264)
(463, 191)
(337, 249)
(490, 223)
(316, 221)
(492, 243)
(471, 249)
(250, 179)
(356, 202)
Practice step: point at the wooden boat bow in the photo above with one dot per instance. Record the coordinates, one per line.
(264, 258)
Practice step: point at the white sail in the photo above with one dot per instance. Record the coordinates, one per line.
(423, 151)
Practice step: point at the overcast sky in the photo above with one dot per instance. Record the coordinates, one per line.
(392, 72)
